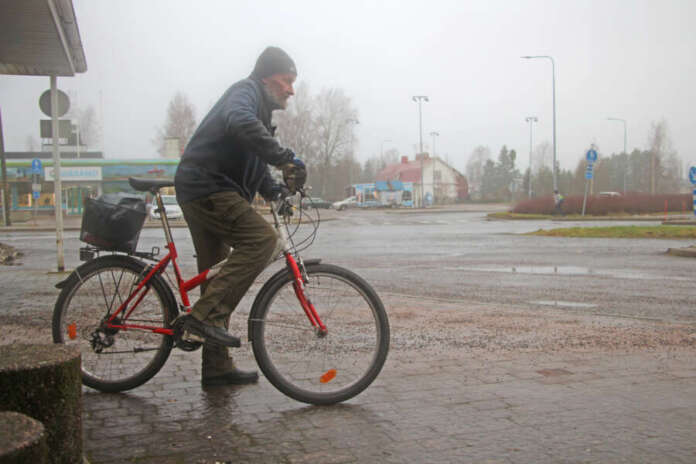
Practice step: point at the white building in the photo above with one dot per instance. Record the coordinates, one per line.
(435, 182)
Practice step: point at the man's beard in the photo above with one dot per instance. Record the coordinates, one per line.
(277, 101)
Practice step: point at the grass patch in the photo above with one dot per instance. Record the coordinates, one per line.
(674, 232)
(509, 215)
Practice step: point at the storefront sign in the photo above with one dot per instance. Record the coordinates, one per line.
(68, 174)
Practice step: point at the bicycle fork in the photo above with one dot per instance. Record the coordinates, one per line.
(299, 278)
(298, 285)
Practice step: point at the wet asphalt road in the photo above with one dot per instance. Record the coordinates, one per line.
(463, 257)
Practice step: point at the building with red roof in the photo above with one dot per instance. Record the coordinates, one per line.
(434, 181)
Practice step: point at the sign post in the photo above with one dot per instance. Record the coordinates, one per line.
(35, 184)
(591, 157)
(692, 178)
(58, 107)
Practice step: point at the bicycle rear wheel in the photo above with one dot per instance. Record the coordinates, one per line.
(305, 365)
(114, 360)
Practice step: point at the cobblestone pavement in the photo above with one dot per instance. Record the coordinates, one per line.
(574, 407)
(465, 381)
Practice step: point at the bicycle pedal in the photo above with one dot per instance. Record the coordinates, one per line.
(191, 337)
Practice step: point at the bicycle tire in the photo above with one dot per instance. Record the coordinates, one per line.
(308, 367)
(87, 296)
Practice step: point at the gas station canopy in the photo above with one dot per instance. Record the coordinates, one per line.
(40, 38)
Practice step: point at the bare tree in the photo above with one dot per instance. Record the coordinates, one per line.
(334, 124)
(475, 167)
(88, 124)
(180, 123)
(390, 156)
(296, 125)
(89, 127)
(541, 157)
(664, 161)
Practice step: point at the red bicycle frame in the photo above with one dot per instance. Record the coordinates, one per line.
(185, 286)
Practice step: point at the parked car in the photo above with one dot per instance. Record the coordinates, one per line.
(170, 205)
(315, 202)
(609, 194)
(350, 202)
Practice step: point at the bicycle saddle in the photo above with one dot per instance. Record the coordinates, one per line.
(152, 185)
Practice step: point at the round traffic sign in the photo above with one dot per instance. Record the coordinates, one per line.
(45, 103)
(591, 155)
(692, 174)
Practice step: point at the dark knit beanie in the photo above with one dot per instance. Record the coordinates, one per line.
(272, 61)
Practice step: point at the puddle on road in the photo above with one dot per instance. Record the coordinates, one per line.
(566, 304)
(570, 271)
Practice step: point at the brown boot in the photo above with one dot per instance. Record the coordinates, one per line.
(219, 369)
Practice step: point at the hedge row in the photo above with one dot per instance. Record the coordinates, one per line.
(633, 203)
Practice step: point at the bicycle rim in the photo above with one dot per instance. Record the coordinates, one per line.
(321, 369)
(122, 359)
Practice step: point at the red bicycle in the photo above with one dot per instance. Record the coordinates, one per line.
(319, 332)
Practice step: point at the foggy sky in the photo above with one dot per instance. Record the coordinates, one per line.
(634, 60)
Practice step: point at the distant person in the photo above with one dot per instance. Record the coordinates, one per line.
(558, 200)
(223, 166)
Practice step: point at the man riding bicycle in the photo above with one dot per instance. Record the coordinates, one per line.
(222, 168)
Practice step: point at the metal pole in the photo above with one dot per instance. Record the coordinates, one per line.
(6, 220)
(419, 99)
(531, 120)
(420, 134)
(432, 163)
(555, 164)
(624, 149)
(554, 171)
(56, 175)
(626, 154)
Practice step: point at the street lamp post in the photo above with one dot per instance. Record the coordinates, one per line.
(433, 135)
(354, 122)
(531, 120)
(420, 99)
(624, 150)
(553, 84)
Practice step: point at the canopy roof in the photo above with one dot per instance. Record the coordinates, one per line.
(40, 38)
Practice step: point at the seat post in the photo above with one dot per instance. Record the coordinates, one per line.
(163, 216)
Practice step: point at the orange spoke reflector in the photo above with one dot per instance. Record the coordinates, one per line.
(328, 376)
(72, 331)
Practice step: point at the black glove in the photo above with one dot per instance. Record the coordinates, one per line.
(294, 175)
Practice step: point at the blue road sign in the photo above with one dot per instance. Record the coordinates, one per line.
(588, 175)
(591, 155)
(692, 174)
(36, 166)
(35, 194)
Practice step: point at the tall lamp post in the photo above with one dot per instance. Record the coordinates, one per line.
(624, 150)
(353, 122)
(420, 99)
(553, 84)
(434, 134)
(531, 120)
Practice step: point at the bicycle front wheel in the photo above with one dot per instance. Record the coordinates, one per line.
(309, 366)
(114, 360)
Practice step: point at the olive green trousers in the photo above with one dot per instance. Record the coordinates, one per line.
(217, 223)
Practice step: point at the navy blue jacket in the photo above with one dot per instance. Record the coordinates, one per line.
(232, 147)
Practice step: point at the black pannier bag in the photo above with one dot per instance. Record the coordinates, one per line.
(113, 221)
